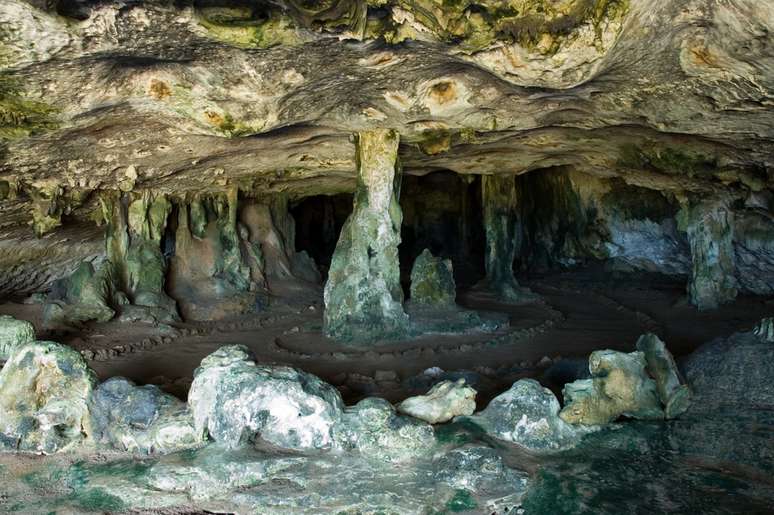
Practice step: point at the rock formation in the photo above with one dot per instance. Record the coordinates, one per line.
(363, 295)
(432, 281)
(442, 403)
(14, 334)
(674, 395)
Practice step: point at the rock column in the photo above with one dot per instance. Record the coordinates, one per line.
(710, 230)
(363, 295)
(503, 236)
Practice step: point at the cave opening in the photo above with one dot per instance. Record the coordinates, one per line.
(319, 219)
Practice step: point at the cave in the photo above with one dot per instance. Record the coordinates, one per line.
(386, 257)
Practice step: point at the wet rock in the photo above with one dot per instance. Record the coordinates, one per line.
(432, 281)
(765, 330)
(13, 334)
(710, 230)
(363, 295)
(45, 389)
(83, 296)
(141, 418)
(374, 429)
(675, 396)
(527, 415)
(236, 402)
(442, 403)
(619, 386)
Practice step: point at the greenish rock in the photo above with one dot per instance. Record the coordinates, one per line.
(13, 334)
(444, 401)
(765, 330)
(503, 237)
(135, 227)
(619, 386)
(45, 390)
(237, 402)
(141, 419)
(710, 230)
(527, 415)
(432, 281)
(83, 296)
(373, 429)
(674, 395)
(363, 294)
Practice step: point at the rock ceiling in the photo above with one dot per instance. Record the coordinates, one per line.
(187, 96)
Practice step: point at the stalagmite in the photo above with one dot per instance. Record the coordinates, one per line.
(363, 295)
(710, 230)
(503, 237)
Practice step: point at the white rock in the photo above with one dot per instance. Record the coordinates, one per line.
(444, 401)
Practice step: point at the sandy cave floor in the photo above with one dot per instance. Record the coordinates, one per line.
(581, 311)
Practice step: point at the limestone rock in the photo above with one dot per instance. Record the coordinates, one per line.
(13, 334)
(141, 418)
(363, 295)
(765, 330)
(675, 396)
(81, 297)
(45, 389)
(619, 386)
(444, 401)
(432, 281)
(527, 415)
(235, 402)
(374, 429)
(710, 230)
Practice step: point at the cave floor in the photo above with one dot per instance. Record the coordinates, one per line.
(581, 311)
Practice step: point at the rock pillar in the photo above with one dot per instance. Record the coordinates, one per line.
(503, 236)
(710, 229)
(363, 295)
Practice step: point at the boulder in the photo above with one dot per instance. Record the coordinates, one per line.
(45, 389)
(372, 428)
(527, 415)
(235, 402)
(141, 419)
(83, 296)
(444, 401)
(619, 386)
(675, 396)
(13, 334)
(432, 281)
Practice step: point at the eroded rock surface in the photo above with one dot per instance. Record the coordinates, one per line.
(45, 389)
(235, 402)
(432, 281)
(619, 386)
(444, 401)
(674, 395)
(13, 334)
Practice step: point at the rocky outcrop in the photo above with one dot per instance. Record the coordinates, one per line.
(45, 389)
(236, 402)
(444, 401)
(619, 386)
(528, 415)
(674, 395)
(765, 330)
(14, 334)
(372, 428)
(363, 295)
(141, 419)
(710, 230)
(86, 295)
(432, 281)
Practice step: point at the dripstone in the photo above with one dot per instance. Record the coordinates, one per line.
(675, 396)
(432, 281)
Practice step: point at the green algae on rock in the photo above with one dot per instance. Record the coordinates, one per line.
(45, 388)
(363, 295)
(432, 281)
(13, 334)
(675, 396)
(83, 296)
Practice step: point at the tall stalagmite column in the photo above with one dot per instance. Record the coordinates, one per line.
(363, 295)
(503, 236)
(710, 229)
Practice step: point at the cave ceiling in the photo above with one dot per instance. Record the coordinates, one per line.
(191, 96)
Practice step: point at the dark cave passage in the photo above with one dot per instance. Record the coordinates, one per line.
(319, 220)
